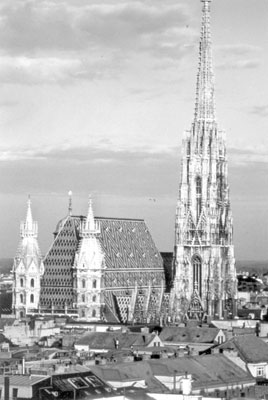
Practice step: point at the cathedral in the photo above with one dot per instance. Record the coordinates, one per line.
(204, 265)
(110, 269)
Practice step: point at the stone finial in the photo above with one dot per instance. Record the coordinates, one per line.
(70, 208)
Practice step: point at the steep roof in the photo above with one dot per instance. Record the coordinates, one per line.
(251, 348)
(189, 334)
(106, 340)
(57, 281)
(24, 380)
(126, 243)
(207, 371)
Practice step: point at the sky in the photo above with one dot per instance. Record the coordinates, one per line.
(95, 96)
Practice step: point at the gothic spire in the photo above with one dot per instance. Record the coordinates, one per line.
(90, 226)
(205, 104)
(29, 227)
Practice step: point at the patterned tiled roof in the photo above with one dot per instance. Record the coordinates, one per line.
(131, 258)
(128, 244)
(57, 282)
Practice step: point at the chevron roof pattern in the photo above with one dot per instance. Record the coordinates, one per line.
(127, 244)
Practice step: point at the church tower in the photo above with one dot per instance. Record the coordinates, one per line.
(204, 264)
(27, 268)
(88, 269)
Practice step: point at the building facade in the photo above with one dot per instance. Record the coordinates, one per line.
(204, 265)
(110, 269)
(28, 268)
(103, 269)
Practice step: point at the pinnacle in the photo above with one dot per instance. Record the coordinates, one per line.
(29, 217)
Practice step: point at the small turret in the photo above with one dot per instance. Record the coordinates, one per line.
(28, 228)
(27, 268)
(90, 226)
(88, 268)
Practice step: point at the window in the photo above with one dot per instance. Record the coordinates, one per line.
(198, 196)
(83, 283)
(94, 299)
(94, 284)
(21, 314)
(260, 371)
(197, 276)
(83, 298)
(83, 314)
(21, 282)
(14, 393)
(32, 283)
(32, 298)
(21, 298)
(93, 313)
(78, 383)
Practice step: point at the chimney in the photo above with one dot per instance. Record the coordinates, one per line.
(6, 386)
(186, 385)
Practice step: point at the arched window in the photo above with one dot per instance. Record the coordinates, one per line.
(21, 282)
(197, 273)
(94, 299)
(198, 196)
(32, 298)
(21, 298)
(83, 298)
(21, 314)
(94, 284)
(93, 313)
(83, 283)
(83, 314)
(32, 282)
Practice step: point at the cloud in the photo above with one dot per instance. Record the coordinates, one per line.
(246, 157)
(37, 70)
(83, 169)
(104, 152)
(49, 41)
(239, 64)
(261, 111)
(238, 56)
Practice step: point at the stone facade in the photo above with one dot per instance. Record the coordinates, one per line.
(28, 268)
(204, 264)
(88, 269)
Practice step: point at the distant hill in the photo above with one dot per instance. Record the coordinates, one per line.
(5, 265)
(258, 267)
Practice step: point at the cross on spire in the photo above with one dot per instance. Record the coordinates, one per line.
(205, 102)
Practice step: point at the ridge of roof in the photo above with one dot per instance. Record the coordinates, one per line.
(110, 218)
